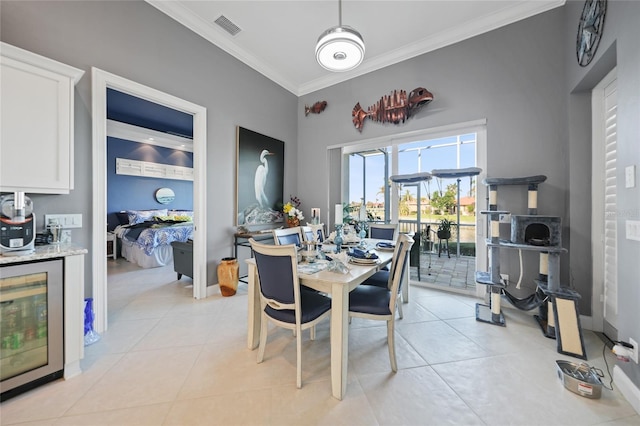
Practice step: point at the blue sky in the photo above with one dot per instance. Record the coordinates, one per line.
(435, 154)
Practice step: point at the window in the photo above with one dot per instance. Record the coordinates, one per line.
(369, 176)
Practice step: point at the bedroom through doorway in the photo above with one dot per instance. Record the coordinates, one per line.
(169, 181)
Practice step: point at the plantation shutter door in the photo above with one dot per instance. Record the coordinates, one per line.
(610, 216)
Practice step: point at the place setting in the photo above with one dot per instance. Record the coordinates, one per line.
(362, 257)
(385, 246)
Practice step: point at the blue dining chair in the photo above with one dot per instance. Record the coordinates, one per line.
(282, 300)
(307, 233)
(379, 303)
(318, 231)
(384, 277)
(383, 231)
(286, 236)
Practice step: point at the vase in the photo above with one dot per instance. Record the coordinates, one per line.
(292, 222)
(228, 276)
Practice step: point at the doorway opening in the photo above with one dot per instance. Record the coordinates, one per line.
(604, 206)
(101, 82)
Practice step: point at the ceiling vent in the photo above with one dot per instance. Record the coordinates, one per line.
(227, 25)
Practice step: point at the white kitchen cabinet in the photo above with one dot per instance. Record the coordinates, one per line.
(36, 137)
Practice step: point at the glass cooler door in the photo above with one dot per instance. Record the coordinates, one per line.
(31, 320)
(23, 325)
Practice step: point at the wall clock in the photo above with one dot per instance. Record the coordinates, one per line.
(590, 30)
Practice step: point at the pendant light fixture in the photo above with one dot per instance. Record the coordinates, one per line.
(340, 48)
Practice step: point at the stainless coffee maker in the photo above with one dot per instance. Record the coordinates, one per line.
(17, 225)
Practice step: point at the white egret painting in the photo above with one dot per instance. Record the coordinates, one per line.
(260, 178)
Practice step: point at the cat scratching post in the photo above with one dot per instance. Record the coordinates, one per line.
(559, 317)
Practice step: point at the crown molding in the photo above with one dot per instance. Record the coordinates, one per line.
(482, 25)
(208, 31)
(216, 36)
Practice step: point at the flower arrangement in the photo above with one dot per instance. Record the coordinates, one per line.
(292, 213)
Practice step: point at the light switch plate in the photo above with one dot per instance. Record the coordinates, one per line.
(66, 220)
(633, 229)
(630, 176)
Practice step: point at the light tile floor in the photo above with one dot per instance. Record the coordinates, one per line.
(169, 359)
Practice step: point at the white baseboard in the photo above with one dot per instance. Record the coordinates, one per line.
(213, 289)
(630, 391)
(586, 322)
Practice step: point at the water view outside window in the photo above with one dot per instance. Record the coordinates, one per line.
(438, 198)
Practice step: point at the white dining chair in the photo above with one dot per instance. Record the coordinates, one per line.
(379, 303)
(283, 301)
(317, 232)
(288, 236)
(383, 231)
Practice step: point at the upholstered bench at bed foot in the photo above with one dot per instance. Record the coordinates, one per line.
(183, 258)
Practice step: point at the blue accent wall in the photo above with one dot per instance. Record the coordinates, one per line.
(138, 193)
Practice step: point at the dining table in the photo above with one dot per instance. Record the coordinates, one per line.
(337, 285)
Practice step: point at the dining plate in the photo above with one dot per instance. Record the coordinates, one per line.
(359, 261)
(384, 247)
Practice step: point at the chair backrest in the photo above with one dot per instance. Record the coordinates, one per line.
(286, 236)
(383, 231)
(398, 267)
(307, 233)
(317, 232)
(278, 275)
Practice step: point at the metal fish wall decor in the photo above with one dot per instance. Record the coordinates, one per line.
(394, 108)
(316, 108)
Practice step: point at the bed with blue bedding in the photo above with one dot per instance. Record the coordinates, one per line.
(146, 240)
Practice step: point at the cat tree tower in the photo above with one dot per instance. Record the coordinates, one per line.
(558, 304)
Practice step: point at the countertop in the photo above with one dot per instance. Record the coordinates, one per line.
(49, 251)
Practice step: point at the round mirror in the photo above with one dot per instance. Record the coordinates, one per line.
(165, 195)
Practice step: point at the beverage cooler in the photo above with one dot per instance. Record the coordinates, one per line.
(31, 325)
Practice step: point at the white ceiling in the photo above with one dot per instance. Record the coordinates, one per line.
(278, 38)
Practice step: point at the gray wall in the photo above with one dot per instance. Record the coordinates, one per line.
(513, 77)
(618, 47)
(522, 78)
(136, 41)
(525, 80)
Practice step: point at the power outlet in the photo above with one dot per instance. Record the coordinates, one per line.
(505, 218)
(634, 354)
(65, 236)
(505, 278)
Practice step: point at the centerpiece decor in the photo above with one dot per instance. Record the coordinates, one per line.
(362, 216)
(292, 213)
(337, 240)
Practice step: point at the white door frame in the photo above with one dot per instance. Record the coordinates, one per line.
(597, 199)
(101, 80)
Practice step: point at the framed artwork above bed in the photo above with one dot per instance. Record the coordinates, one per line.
(259, 178)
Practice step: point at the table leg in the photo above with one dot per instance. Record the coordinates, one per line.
(253, 311)
(339, 339)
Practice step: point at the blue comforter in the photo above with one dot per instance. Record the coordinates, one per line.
(160, 235)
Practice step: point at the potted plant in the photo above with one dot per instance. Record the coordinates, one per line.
(444, 229)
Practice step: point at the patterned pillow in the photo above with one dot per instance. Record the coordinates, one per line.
(139, 216)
